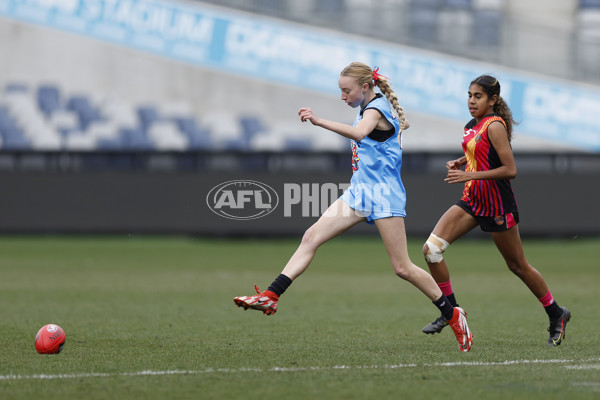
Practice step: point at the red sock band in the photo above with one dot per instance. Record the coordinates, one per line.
(547, 299)
(446, 288)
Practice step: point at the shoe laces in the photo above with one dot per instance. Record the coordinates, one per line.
(271, 295)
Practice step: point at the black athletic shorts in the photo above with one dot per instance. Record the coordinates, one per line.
(498, 223)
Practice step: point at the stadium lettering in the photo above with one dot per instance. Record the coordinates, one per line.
(277, 46)
(156, 18)
(546, 103)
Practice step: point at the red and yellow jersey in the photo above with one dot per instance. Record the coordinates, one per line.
(486, 197)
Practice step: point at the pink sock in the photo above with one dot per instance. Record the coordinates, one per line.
(446, 288)
(547, 299)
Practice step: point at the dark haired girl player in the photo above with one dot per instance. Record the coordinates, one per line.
(488, 201)
(376, 195)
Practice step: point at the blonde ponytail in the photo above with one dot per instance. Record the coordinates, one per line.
(392, 97)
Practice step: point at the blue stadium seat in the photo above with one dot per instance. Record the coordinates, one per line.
(236, 145)
(16, 143)
(66, 131)
(251, 126)
(16, 87)
(48, 98)
(13, 139)
(78, 102)
(85, 111)
(4, 117)
(147, 115)
(186, 125)
(458, 4)
(88, 116)
(200, 141)
(7, 123)
(589, 4)
(135, 139)
(298, 144)
(110, 144)
(199, 138)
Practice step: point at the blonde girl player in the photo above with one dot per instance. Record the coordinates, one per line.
(375, 195)
(488, 202)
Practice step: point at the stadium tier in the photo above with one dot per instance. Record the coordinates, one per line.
(46, 118)
(185, 76)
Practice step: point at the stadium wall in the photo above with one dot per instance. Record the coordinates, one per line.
(136, 202)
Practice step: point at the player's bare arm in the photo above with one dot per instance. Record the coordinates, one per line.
(371, 120)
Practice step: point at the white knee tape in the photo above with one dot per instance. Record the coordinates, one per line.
(436, 246)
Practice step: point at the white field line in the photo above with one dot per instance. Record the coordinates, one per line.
(590, 366)
(580, 364)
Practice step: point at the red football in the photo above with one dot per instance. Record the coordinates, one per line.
(50, 339)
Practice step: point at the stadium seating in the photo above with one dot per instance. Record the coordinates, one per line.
(588, 35)
(449, 26)
(12, 136)
(47, 118)
(48, 98)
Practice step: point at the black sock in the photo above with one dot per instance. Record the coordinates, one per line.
(554, 311)
(280, 284)
(452, 300)
(445, 307)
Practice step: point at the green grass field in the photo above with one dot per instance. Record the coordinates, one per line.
(153, 318)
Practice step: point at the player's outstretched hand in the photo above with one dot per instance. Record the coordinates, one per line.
(306, 114)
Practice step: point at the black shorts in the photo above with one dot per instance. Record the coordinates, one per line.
(498, 223)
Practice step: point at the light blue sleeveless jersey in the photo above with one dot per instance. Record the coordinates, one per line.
(376, 190)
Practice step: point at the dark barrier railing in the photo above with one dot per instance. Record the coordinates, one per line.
(270, 162)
